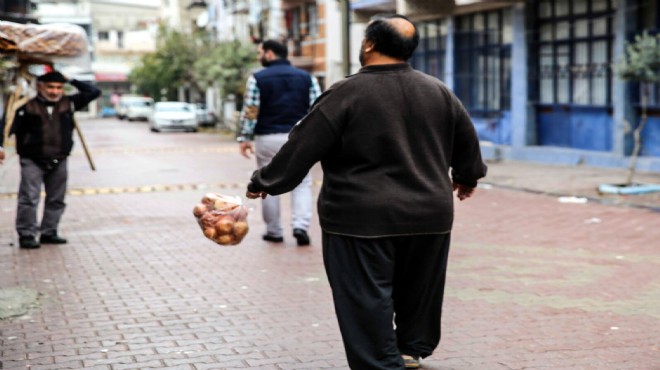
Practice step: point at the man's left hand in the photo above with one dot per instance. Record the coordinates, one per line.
(260, 194)
(246, 149)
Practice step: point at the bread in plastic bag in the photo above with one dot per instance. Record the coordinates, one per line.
(45, 43)
(60, 39)
(222, 218)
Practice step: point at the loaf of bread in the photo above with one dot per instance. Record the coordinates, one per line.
(64, 40)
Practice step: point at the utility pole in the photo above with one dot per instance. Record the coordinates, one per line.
(345, 9)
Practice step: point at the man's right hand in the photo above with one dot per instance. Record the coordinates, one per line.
(246, 149)
(463, 192)
(2, 155)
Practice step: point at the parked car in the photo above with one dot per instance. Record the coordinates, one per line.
(135, 108)
(174, 115)
(204, 116)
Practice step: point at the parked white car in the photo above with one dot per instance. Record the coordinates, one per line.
(204, 116)
(135, 108)
(174, 115)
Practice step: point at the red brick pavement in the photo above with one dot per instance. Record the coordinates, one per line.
(533, 283)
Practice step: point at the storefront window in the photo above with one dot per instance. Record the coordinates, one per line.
(430, 54)
(483, 60)
(574, 59)
(650, 15)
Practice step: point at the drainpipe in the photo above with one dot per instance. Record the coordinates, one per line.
(623, 113)
(522, 131)
(449, 78)
(345, 9)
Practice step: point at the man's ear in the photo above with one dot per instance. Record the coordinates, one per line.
(368, 46)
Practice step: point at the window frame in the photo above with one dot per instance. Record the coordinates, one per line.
(473, 45)
(423, 55)
(650, 21)
(312, 18)
(576, 74)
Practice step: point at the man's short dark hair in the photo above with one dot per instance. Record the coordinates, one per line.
(276, 47)
(387, 40)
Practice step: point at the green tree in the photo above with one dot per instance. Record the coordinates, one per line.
(227, 63)
(170, 66)
(641, 65)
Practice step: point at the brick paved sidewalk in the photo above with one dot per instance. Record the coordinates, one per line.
(533, 283)
(577, 181)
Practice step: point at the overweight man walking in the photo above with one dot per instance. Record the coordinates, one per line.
(394, 144)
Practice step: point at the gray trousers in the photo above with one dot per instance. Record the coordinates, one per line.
(266, 146)
(29, 191)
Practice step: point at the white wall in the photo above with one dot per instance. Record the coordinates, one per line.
(333, 45)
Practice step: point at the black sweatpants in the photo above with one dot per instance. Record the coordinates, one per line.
(378, 281)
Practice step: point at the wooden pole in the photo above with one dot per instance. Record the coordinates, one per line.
(84, 144)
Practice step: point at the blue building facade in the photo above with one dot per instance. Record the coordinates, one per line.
(538, 77)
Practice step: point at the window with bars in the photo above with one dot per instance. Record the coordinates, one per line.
(575, 40)
(293, 23)
(294, 31)
(650, 15)
(429, 57)
(483, 61)
(312, 18)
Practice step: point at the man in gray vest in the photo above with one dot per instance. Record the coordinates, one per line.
(276, 98)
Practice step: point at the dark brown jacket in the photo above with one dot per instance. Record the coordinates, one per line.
(43, 135)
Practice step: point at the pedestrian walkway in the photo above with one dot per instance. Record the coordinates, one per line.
(533, 283)
(572, 181)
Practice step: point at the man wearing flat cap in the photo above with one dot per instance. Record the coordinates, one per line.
(44, 137)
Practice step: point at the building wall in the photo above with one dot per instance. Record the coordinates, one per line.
(566, 103)
(587, 122)
(305, 33)
(122, 33)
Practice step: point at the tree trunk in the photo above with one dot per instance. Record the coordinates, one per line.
(637, 135)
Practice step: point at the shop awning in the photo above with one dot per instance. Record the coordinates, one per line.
(110, 77)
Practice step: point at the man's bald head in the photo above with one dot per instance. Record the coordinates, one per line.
(392, 35)
(403, 26)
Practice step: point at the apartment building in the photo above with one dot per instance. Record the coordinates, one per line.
(538, 77)
(301, 24)
(123, 31)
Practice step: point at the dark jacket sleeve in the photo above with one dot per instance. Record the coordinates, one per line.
(86, 93)
(467, 166)
(2, 128)
(309, 141)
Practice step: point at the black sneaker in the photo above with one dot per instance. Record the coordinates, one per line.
(301, 236)
(272, 239)
(52, 239)
(28, 242)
